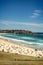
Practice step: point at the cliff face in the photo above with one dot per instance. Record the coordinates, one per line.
(16, 31)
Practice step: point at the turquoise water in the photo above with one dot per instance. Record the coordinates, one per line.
(35, 41)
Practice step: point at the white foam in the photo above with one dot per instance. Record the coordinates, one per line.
(28, 38)
(22, 41)
(15, 40)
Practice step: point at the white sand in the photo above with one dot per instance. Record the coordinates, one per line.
(11, 47)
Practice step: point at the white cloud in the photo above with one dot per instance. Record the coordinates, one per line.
(35, 13)
(10, 23)
(22, 25)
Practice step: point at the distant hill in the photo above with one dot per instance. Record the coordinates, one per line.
(16, 31)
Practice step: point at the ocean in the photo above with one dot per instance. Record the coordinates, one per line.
(30, 40)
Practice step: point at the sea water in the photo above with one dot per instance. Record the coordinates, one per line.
(32, 40)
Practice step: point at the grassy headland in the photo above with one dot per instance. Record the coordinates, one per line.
(16, 31)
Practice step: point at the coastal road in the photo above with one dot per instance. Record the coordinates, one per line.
(21, 62)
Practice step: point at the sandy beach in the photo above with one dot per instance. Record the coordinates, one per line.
(11, 47)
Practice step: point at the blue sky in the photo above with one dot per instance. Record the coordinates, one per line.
(21, 14)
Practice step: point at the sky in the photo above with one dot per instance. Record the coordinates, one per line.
(21, 14)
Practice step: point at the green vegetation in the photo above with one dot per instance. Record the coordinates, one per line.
(15, 59)
(16, 31)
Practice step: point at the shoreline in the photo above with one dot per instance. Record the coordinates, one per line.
(21, 42)
(11, 47)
